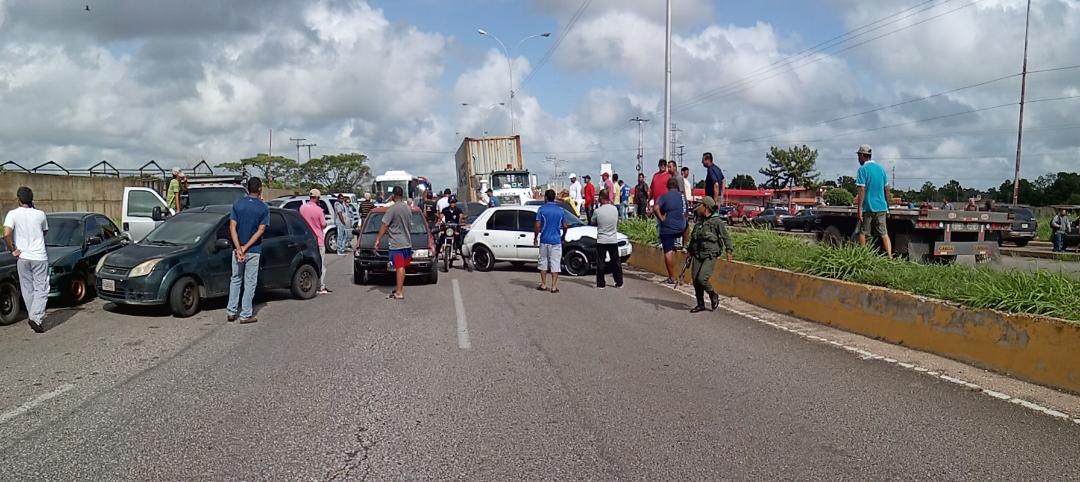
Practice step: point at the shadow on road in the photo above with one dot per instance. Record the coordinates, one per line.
(659, 305)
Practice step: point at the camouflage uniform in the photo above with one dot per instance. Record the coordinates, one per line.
(709, 240)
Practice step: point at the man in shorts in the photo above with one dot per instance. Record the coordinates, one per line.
(873, 199)
(396, 223)
(670, 211)
(548, 234)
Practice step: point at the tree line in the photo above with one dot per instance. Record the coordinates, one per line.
(345, 172)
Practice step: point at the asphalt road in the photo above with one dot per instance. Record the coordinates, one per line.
(584, 384)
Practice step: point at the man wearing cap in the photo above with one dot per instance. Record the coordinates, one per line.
(172, 194)
(313, 215)
(872, 203)
(709, 239)
(575, 193)
(493, 202)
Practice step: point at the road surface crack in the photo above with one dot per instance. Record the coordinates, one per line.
(355, 458)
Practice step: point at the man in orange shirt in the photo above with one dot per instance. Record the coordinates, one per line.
(658, 186)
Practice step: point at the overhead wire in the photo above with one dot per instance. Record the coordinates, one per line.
(558, 41)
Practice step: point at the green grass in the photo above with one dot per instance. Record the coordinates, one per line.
(1013, 291)
(1043, 231)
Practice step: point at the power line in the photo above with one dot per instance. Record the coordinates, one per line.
(558, 41)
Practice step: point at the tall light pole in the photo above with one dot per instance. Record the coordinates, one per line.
(1023, 91)
(510, 67)
(667, 86)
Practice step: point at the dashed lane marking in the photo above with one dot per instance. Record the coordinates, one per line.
(462, 324)
(28, 406)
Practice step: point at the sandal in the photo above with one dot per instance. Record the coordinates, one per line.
(556, 290)
(393, 296)
(541, 288)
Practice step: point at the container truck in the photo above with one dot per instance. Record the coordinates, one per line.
(478, 158)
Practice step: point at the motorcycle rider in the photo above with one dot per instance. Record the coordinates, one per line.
(451, 214)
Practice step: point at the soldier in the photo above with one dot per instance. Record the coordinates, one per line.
(709, 239)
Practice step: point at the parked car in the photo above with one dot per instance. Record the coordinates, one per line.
(804, 220)
(327, 204)
(189, 257)
(143, 210)
(506, 234)
(770, 217)
(76, 242)
(368, 261)
(1024, 226)
(10, 296)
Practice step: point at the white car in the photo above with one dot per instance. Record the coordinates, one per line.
(326, 203)
(506, 234)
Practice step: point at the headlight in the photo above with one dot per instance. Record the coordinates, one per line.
(100, 263)
(423, 253)
(144, 268)
(449, 231)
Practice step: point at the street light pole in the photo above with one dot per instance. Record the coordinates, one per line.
(510, 68)
(667, 86)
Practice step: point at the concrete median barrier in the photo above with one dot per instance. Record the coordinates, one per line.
(1034, 348)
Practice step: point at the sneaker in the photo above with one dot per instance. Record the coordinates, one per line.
(37, 327)
(668, 281)
(245, 321)
(618, 285)
(600, 287)
(324, 291)
(231, 318)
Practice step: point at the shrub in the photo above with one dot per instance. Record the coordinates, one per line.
(839, 197)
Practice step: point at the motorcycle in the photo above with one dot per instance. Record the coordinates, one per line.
(450, 250)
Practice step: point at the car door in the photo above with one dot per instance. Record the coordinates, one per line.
(138, 208)
(277, 254)
(502, 234)
(218, 264)
(94, 245)
(526, 226)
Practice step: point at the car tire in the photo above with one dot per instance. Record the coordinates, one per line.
(483, 259)
(305, 282)
(361, 277)
(184, 298)
(832, 237)
(10, 303)
(77, 290)
(1020, 243)
(807, 227)
(330, 241)
(575, 262)
(787, 227)
(433, 277)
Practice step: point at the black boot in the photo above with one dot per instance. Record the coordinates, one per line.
(699, 292)
(714, 300)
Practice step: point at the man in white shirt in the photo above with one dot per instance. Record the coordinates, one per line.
(443, 202)
(575, 191)
(24, 233)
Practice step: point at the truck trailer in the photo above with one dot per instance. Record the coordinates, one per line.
(478, 158)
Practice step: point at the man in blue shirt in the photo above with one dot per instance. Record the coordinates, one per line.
(548, 234)
(714, 179)
(247, 223)
(873, 199)
(624, 200)
(670, 211)
(493, 202)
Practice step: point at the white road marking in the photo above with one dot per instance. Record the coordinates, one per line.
(28, 406)
(865, 355)
(462, 325)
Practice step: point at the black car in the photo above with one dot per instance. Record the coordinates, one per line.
(804, 220)
(10, 297)
(76, 242)
(189, 257)
(368, 261)
(1024, 226)
(770, 218)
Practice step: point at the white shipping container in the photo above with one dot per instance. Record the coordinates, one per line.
(478, 157)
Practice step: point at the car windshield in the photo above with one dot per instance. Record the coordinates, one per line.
(509, 181)
(1023, 213)
(374, 222)
(64, 232)
(184, 229)
(211, 196)
(572, 220)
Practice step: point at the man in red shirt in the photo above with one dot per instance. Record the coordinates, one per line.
(590, 198)
(658, 186)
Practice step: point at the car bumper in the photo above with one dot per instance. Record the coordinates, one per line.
(1019, 235)
(382, 265)
(141, 291)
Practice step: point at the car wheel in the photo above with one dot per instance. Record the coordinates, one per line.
(832, 236)
(305, 282)
(807, 227)
(575, 263)
(787, 227)
(184, 298)
(330, 241)
(483, 259)
(10, 303)
(78, 290)
(361, 277)
(433, 277)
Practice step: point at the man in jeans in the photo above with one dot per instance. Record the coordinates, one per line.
(1060, 227)
(606, 219)
(872, 203)
(248, 220)
(342, 224)
(313, 215)
(549, 233)
(24, 232)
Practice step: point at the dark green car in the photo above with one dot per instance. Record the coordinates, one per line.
(76, 242)
(10, 297)
(189, 257)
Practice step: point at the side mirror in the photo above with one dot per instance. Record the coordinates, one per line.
(94, 240)
(125, 237)
(222, 244)
(157, 214)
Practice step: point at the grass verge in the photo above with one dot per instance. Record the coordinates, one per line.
(1012, 291)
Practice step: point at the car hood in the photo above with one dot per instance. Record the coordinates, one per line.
(419, 241)
(61, 254)
(131, 255)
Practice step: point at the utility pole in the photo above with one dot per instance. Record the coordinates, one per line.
(554, 169)
(298, 141)
(270, 151)
(680, 154)
(308, 146)
(1023, 92)
(640, 140)
(674, 142)
(667, 84)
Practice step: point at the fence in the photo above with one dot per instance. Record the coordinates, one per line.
(54, 193)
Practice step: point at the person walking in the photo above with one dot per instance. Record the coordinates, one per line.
(709, 240)
(606, 219)
(590, 198)
(714, 179)
(872, 202)
(670, 211)
(576, 194)
(624, 200)
(641, 197)
(549, 233)
(1060, 229)
(395, 224)
(315, 218)
(341, 224)
(24, 233)
(248, 220)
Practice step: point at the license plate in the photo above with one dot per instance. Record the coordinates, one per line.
(108, 285)
(624, 251)
(1025, 226)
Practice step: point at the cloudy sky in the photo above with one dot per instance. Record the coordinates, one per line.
(133, 80)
